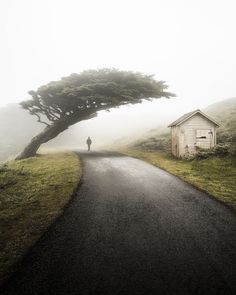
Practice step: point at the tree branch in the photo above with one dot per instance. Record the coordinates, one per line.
(39, 119)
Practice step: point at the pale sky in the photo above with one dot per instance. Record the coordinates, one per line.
(191, 44)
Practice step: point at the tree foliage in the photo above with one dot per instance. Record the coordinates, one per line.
(78, 97)
(85, 94)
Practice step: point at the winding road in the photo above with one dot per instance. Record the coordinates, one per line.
(133, 229)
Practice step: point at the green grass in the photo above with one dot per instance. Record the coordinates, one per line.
(215, 175)
(33, 192)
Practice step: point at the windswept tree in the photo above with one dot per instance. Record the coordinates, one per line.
(79, 97)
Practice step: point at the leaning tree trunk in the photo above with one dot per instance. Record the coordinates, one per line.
(47, 134)
(51, 132)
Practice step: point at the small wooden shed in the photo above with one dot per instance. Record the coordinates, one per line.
(192, 130)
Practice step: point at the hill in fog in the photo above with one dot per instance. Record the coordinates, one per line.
(16, 129)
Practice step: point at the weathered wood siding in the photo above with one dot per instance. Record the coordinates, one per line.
(185, 139)
(174, 141)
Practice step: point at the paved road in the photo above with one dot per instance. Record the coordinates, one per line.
(133, 229)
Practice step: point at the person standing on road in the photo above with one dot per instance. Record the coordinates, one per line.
(89, 142)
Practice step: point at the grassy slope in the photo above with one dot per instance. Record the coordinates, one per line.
(216, 176)
(225, 113)
(33, 193)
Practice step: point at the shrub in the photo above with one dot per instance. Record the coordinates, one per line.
(232, 149)
(219, 150)
(4, 168)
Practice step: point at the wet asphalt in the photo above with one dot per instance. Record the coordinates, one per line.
(132, 228)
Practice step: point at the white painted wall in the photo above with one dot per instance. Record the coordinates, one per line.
(184, 136)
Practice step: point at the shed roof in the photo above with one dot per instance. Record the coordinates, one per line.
(189, 115)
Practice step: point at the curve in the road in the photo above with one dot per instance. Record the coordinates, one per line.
(133, 229)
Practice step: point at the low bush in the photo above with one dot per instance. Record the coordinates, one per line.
(220, 150)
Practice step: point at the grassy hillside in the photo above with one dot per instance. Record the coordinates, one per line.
(224, 112)
(33, 193)
(154, 140)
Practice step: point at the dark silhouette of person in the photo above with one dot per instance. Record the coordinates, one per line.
(89, 142)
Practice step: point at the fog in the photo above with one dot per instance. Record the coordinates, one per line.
(189, 44)
(120, 124)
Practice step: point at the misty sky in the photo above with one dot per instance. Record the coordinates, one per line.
(191, 44)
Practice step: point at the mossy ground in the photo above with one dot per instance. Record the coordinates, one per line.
(33, 193)
(215, 175)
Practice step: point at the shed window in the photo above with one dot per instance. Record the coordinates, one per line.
(202, 134)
